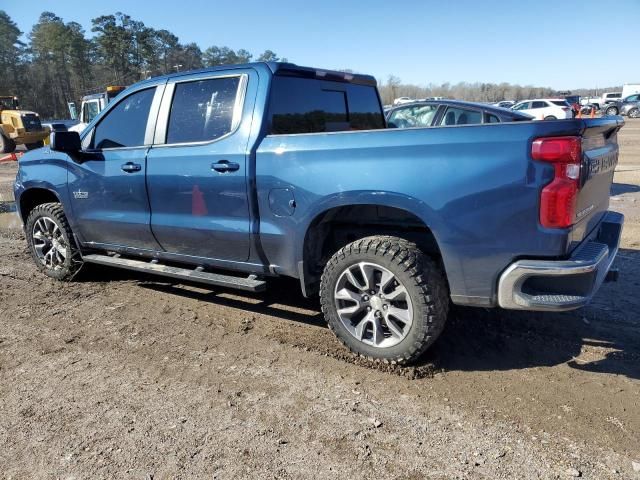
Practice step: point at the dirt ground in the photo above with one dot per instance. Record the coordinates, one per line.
(119, 375)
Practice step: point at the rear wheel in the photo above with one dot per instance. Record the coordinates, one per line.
(611, 111)
(6, 144)
(550, 117)
(51, 242)
(634, 113)
(384, 299)
(32, 146)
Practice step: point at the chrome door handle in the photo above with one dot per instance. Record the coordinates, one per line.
(131, 167)
(225, 166)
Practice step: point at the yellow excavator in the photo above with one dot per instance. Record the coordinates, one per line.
(19, 127)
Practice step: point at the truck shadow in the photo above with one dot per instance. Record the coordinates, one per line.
(603, 337)
(474, 339)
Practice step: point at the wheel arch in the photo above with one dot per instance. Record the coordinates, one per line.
(32, 197)
(337, 224)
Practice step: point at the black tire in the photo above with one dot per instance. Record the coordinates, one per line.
(423, 280)
(634, 113)
(33, 146)
(611, 111)
(550, 117)
(45, 214)
(6, 144)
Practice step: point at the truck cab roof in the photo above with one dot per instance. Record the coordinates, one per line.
(277, 68)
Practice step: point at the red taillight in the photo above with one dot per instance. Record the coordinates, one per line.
(558, 198)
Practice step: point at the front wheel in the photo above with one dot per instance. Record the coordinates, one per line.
(611, 111)
(51, 242)
(384, 299)
(634, 113)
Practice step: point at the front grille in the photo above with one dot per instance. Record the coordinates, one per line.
(31, 122)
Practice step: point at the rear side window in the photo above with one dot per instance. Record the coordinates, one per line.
(489, 118)
(202, 111)
(560, 103)
(302, 105)
(461, 116)
(126, 123)
(539, 104)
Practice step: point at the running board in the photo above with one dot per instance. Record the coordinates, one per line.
(251, 283)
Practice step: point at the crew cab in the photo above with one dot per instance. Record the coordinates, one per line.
(232, 175)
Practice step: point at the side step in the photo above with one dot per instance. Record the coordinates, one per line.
(251, 283)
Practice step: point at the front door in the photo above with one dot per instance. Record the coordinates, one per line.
(197, 167)
(107, 184)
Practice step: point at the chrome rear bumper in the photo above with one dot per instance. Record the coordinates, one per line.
(562, 284)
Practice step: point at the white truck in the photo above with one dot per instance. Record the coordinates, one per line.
(601, 101)
(92, 105)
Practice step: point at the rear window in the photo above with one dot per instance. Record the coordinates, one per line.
(302, 105)
(461, 116)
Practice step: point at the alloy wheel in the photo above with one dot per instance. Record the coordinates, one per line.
(49, 243)
(373, 305)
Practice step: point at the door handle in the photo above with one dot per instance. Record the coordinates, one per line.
(131, 167)
(225, 166)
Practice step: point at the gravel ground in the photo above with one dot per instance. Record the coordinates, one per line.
(119, 375)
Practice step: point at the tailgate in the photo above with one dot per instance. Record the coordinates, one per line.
(599, 160)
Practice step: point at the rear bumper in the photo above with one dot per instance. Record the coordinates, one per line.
(562, 284)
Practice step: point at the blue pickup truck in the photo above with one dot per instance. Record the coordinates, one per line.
(232, 175)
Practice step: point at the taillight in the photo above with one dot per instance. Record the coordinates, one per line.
(558, 198)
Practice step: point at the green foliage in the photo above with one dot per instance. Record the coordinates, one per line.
(60, 64)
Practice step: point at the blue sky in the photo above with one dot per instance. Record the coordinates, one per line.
(562, 44)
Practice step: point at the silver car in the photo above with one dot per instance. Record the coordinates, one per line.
(629, 106)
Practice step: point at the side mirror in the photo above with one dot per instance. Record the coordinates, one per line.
(68, 142)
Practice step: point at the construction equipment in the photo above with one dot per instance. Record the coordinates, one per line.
(92, 105)
(19, 127)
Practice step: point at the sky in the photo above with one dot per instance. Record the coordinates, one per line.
(562, 44)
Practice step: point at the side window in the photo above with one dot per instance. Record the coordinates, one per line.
(202, 110)
(539, 104)
(632, 98)
(301, 105)
(416, 116)
(490, 118)
(460, 116)
(126, 123)
(523, 106)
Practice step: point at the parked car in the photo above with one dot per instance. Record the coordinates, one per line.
(628, 106)
(401, 100)
(504, 104)
(449, 112)
(271, 169)
(605, 98)
(545, 108)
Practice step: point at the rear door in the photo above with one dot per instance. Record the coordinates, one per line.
(107, 184)
(197, 168)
